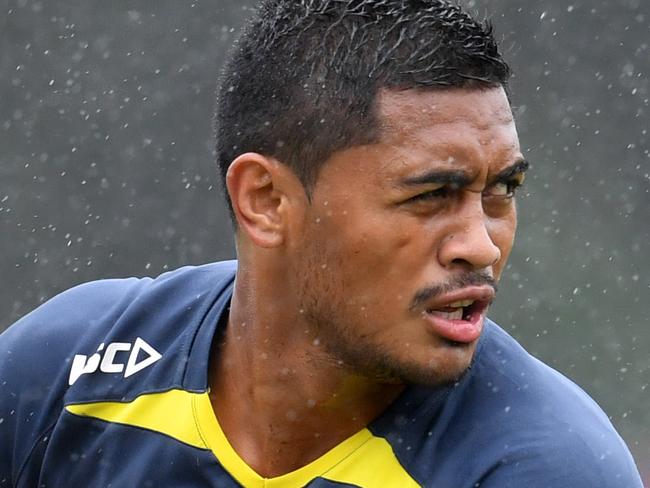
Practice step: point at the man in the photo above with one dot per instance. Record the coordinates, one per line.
(371, 161)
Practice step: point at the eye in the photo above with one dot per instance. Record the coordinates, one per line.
(442, 192)
(505, 189)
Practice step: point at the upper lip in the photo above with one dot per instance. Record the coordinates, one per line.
(482, 294)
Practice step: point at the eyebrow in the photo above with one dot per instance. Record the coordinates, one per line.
(437, 177)
(459, 178)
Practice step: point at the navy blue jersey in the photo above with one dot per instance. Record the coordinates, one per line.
(106, 385)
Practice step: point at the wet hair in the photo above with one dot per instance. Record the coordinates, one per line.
(302, 79)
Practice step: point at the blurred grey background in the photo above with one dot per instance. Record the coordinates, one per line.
(106, 167)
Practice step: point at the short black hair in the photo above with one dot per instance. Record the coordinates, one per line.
(301, 80)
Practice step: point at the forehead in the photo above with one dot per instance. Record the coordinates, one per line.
(399, 110)
(465, 124)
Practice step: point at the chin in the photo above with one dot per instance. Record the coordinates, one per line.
(428, 376)
(444, 369)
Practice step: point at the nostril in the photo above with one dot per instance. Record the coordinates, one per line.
(460, 262)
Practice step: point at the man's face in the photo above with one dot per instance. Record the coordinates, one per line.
(404, 239)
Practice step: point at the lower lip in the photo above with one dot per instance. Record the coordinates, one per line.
(464, 331)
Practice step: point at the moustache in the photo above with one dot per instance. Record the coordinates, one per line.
(473, 278)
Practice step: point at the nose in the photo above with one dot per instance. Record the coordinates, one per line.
(468, 243)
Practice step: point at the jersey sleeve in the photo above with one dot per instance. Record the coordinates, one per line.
(541, 430)
(567, 458)
(35, 358)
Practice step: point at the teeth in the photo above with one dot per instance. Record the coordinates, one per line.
(457, 315)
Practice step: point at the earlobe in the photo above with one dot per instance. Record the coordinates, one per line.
(258, 199)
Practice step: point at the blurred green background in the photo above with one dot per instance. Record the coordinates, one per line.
(106, 167)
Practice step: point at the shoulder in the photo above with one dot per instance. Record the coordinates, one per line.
(38, 353)
(510, 421)
(506, 375)
(545, 427)
(82, 314)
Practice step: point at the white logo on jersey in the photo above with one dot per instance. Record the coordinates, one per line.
(82, 364)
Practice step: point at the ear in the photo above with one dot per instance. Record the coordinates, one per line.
(261, 190)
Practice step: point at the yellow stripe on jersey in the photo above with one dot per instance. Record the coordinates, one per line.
(373, 465)
(169, 413)
(362, 460)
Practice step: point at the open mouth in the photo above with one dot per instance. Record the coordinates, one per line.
(460, 310)
(459, 322)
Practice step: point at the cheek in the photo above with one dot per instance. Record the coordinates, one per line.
(361, 255)
(354, 230)
(381, 253)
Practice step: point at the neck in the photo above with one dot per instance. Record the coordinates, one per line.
(280, 399)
